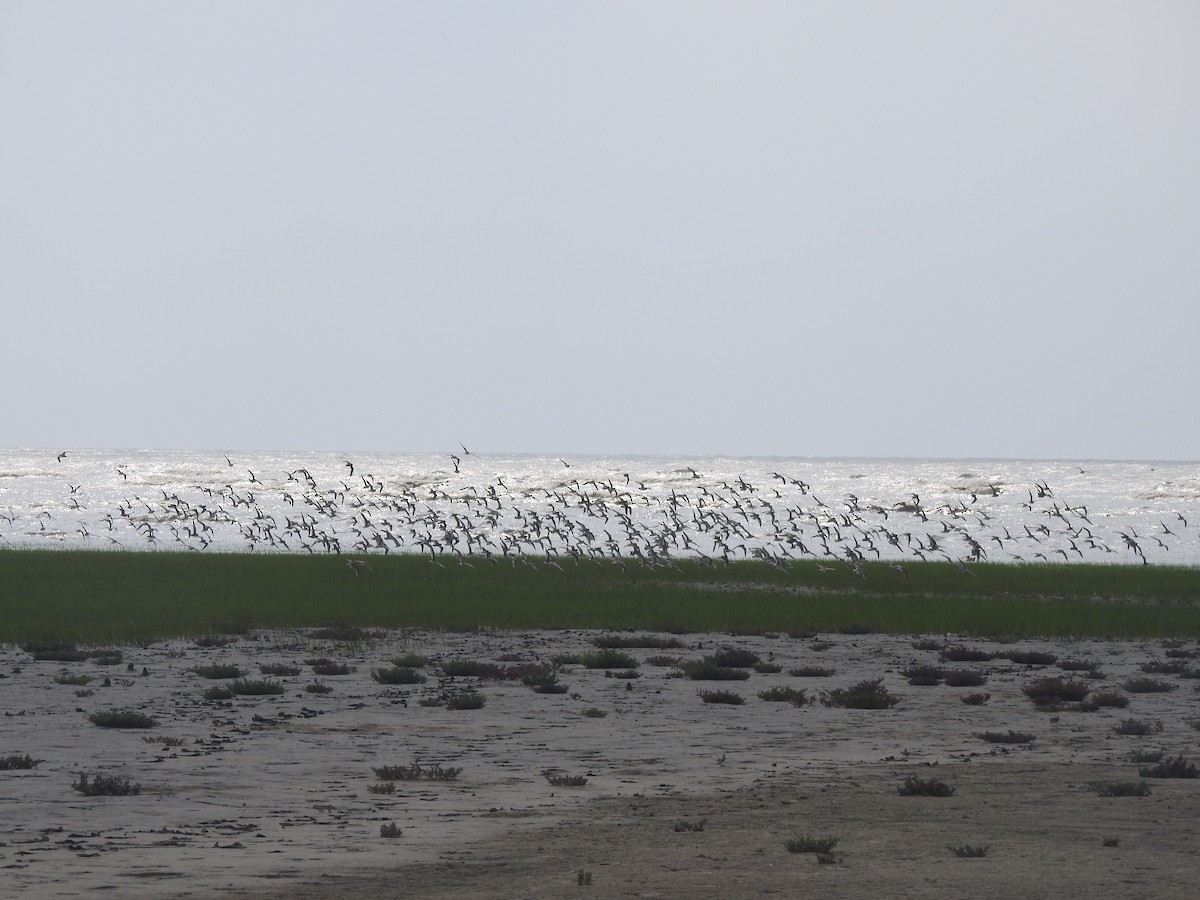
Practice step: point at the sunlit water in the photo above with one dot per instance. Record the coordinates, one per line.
(651, 508)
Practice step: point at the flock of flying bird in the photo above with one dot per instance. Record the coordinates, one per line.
(451, 518)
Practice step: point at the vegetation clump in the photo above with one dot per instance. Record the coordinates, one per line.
(77, 680)
(323, 665)
(708, 670)
(734, 658)
(417, 772)
(1172, 767)
(1137, 728)
(256, 688)
(922, 676)
(1029, 657)
(924, 787)
(812, 672)
(795, 696)
(398, 675)
(727, 697)
(968, 851)
(217, 671)
(867, 694)
(122, 718)
(975, 699)
(390, 830)
(465, 700)
(683, 825)
(105, 786)
(567, 780)
(636, 642)
(608, 659)
(805, 843)
(1055, 692)
(1148, 686)
(218, 692)
(959, 653)
(278, 669)
(1121, 788)
(17, 761)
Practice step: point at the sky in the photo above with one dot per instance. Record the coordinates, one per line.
(886, 229)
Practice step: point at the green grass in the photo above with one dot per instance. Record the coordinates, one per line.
(97, 598)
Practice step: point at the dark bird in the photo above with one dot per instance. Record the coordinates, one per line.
(62, 456)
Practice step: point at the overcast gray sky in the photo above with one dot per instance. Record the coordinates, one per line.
(797, 228)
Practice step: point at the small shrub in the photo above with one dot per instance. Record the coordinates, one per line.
(922, 676)
(583, 877)
(567, 780)
(733, 658)
(1076, 665)
(317, 687)
(106, 657)
(683, 825)
(398, 675)
(388, 787)
(1111, 699)
(165, 740)
(804, 843)
(322, 665)
(783, 694)
(1030, 657)
(975, 699)
(105, 786)
(706, 670)
(812, 672)
(390, 830)
(1148, 686)
(209, 641)
(964, 678)
(122, 718)
(564, 659)
(1137, 728)
(218, 671)
(431, 701)
(866, 694)
(1055, 691)
(767, 668)
(552, 688)
(410, 661)
(593, 713)
(417, 772)
(1112, 842)
(218, 692)
(727, 697)
(927, 644)
(263, 687)
(77, 680)
(608, 659)
(1001, 737)
(54, 652)
(965, 654)
(924, 787)
(16, 761)
(1174, 767)
(1147, 756)
(636, 641)
(969, 851)
(1121, 788)
(663, 661)
(465, 700)
(627, 674)
(1158, 667)
(278, 669)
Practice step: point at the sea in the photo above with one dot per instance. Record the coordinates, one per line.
(476, 508)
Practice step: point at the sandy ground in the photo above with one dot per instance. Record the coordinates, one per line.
(268, 797)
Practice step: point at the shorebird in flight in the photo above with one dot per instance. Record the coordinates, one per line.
(62, 456)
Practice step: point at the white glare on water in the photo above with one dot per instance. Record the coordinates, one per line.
(470, 507)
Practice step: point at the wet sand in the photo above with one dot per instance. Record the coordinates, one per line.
(268, 796)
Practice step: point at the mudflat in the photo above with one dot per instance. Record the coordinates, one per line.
(616, 787)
